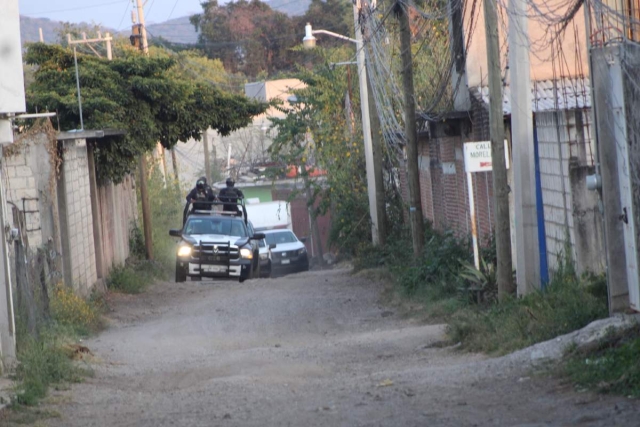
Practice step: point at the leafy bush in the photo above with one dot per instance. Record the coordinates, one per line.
(567, 304)
(71, 310)
(133, 277)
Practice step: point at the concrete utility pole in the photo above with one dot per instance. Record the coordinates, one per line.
(526, 220)
(415, 202)
(504, 271)
(142, 161)
(366, 132)
(377, 145)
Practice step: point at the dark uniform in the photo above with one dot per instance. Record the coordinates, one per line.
(200, 197)
(229, 196)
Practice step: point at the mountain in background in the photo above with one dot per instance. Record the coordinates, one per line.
(177, 30)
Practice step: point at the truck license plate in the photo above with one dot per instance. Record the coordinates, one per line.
(286, 261)
(214, 268)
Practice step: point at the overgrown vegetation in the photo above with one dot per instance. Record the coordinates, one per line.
(566, 305)
(445, 281)
(46, 354)
(611, 368)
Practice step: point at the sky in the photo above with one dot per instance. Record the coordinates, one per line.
(110, 13)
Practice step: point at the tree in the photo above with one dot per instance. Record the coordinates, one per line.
(323, 133)
(247, 36)
(144, 96)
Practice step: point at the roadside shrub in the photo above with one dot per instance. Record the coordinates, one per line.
(71, 310)
(134, 277)
(612, 368)
(566, 305)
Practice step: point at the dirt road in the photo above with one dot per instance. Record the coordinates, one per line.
(314, 349)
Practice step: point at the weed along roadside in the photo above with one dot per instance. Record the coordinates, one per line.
(447, 288)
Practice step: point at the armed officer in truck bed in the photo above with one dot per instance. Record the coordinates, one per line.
(229, 196)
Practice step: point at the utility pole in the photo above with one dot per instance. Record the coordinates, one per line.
(207, 160)
(377, 145)
(411, 133)
(496, 131)
(142, 160)
(366, 131)
(526, 220)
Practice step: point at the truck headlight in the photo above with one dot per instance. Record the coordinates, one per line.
(246, 253)
(302, 251)
(184, 251)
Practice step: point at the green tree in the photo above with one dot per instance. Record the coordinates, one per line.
(247, 36)
(323, 132)
(143, 96)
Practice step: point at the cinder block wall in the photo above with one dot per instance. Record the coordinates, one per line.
(78, 243)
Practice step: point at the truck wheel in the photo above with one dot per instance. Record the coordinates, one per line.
(181, 273)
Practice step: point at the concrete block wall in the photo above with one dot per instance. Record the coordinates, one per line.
(21, 184)
(565, 143)
(80, 258)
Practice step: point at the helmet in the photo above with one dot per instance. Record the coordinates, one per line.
(202, 182)
(230, 182)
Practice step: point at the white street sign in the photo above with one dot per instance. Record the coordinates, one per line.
(477, 156)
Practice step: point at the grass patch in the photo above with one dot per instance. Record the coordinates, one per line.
(23, 415)
(612, 368)
(134, 277)
(44, 361)
(568, 304)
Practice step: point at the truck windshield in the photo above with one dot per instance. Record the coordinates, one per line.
(223, 226)
(281, 237)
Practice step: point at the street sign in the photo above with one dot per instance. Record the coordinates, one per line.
(477, 156)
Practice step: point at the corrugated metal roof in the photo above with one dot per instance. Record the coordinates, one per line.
(572, 93)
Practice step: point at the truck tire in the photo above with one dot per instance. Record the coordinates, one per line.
(181, 273)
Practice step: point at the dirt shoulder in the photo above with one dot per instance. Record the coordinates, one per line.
(314, 349)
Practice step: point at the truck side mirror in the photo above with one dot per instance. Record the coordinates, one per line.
(175, 233)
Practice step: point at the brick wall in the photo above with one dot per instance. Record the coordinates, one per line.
(443, 181)
(78, 246)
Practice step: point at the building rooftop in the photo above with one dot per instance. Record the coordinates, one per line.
(566, 94)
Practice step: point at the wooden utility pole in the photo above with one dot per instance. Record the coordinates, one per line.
(142, 160)
(496, 130)
(207, 160)
(174, 161)
(415, 203)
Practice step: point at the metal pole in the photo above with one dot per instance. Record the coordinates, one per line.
(474, 226)
(75, 60)
(527, 262)
(366, 129)
(7, 315)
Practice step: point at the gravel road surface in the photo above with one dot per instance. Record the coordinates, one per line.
(312, 349)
